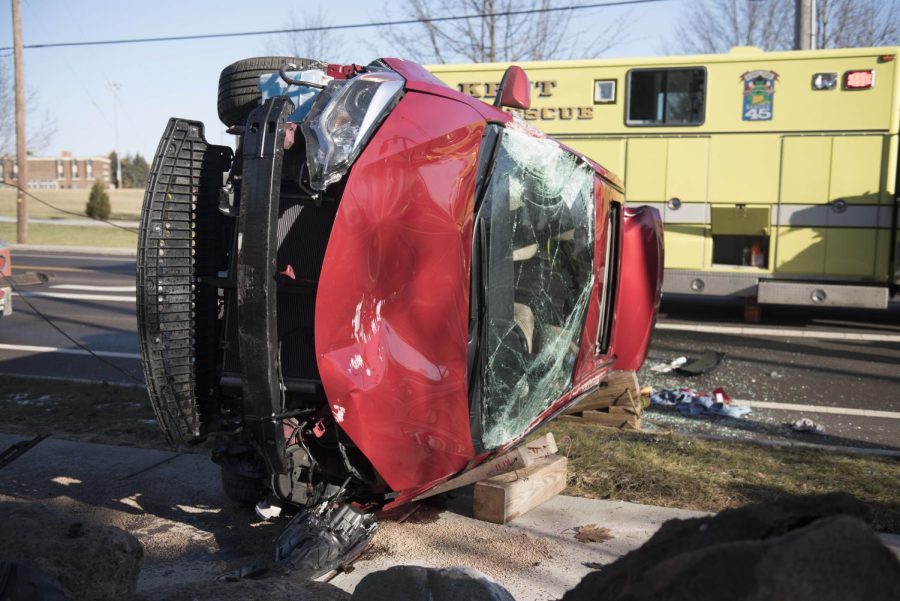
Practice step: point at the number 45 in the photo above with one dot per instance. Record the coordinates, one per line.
(758, 113)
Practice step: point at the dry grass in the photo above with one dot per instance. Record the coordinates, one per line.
(126, 203)
(72, 235)
(76, 411)
(676, 471)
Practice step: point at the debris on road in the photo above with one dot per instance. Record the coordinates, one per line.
(707, 362)
(592, 533)
(689, 402)
(804, 424)
(664, 368)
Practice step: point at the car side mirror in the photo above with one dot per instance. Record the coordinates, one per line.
(515, 90)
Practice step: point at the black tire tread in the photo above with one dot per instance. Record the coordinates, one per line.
(238, 91)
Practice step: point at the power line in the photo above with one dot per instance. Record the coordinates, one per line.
(236, 34)
(56, 208)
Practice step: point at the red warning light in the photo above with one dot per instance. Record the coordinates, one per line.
(859, 80)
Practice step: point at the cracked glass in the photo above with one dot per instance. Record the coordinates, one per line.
(538, 266)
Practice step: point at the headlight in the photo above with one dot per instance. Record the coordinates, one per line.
(341, 121)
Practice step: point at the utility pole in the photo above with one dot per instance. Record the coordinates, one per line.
(21, 152)
(804, 25)
(114, 88)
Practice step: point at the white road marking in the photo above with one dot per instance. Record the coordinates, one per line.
(67, 351)
(70, 296)
(87, 288)
(820, 409)
(779, 332)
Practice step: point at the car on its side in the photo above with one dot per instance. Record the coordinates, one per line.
(386, 284)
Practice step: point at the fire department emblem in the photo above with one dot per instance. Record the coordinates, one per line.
(759, 95)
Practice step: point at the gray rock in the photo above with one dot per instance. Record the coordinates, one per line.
(274, 589)
(415, 583)
(800, 548)
(91, 561)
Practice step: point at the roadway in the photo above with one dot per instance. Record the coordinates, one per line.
(92, 299)
(847, 362)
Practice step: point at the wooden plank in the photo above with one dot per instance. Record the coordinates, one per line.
(612, 421)
(620, 388)
(518, 458)
(507, 496)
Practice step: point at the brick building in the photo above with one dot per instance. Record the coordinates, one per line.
(59, 173)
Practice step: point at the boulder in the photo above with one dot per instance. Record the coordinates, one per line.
(287, 589)
(91, 561)
(415, 583)
(799, 548)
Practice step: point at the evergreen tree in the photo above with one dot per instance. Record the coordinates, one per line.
(98, 202)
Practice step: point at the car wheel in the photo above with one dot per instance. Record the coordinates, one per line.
(239, 84)
(241, 489)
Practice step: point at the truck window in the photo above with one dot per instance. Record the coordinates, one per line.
(539, 208)
(666, 96)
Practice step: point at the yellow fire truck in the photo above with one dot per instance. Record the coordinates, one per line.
(776, 173)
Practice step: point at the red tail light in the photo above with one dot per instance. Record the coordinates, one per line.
(859, 80)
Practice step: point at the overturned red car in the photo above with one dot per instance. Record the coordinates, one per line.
(387, 283)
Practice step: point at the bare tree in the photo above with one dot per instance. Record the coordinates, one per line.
(493, 34)
(40, 131)
(856, 23)
(321, 44)
(714, 26)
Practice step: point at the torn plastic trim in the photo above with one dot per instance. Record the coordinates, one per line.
(263, 154)
(324, 538)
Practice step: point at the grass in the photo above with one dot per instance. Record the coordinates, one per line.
(126, 203)
(77, 411)
(72, 235)
(656, 469)
(676, 471)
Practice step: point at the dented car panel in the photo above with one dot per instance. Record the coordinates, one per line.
(392, 306)
(640, 286)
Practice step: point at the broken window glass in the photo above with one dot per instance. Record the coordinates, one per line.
(539, 213)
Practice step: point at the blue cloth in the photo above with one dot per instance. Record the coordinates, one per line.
(688, 403)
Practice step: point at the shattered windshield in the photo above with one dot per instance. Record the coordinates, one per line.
(539, 209)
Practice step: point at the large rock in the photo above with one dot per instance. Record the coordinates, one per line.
(274, 589)
(800, 548)
(415, 583)
(91, 561)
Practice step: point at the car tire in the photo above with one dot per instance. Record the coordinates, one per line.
(241, 489)
(239, 84)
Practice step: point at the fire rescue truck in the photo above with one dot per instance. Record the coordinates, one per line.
(776, 172)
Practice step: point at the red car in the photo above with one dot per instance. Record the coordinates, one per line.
(387, 283)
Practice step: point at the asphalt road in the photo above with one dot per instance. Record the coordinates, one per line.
(815, 358)
(89, 297)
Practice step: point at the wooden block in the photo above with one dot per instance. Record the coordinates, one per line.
(610, 420)
(518, 458)
(619, 388)
(507, 496)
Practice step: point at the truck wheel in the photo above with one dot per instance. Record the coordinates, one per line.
(239, 84)
(241, 489)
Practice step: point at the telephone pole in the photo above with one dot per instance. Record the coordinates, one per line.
(805, 25)
(21, 152)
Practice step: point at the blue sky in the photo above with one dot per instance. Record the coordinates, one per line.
(159, 80)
